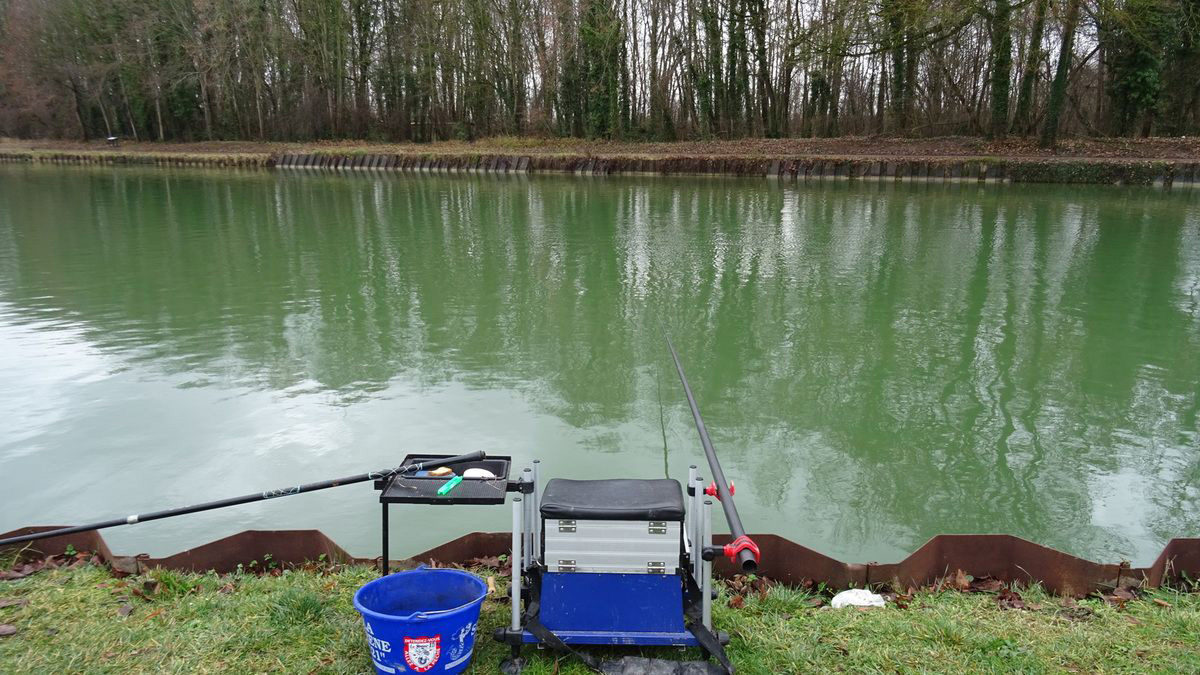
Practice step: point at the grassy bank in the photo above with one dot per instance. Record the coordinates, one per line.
(83, 619)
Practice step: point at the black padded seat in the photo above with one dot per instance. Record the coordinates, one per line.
(614, 499)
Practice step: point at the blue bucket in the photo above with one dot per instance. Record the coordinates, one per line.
(422, 620)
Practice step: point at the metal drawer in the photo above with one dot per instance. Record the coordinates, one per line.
(615, 546)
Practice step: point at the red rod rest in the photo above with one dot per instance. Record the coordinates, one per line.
(733, 548)
(711, 490)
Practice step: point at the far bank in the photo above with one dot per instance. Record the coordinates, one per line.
(1160, 162)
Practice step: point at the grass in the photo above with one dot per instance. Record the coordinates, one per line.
(84, 620)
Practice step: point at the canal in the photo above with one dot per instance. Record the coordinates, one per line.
(876, 363)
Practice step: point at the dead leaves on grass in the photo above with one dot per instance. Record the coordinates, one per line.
(1120, 596)
(501, 563)
(743, 585)
(27, 567)
(965, 583)
(1006, 597)
(1010, 599)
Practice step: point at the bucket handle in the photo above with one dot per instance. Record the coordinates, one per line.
(415, 616)
(419, 615)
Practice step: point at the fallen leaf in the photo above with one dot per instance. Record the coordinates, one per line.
(814, 602)
(737, 602)
(1158, 601)
(485, 561)
(1008, 599)
(13, 602)
(22, 571)
(125, 610)
(958, 581)
(1125, 593)
(226, 589)
(151, 586)
(325, 662)
(153, 614)
(7, 629)
(1120, 596)
(986, 585)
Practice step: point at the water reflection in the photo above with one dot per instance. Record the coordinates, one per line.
(879, 363)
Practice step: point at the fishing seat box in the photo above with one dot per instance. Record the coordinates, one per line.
(619, 526)
(612, 551)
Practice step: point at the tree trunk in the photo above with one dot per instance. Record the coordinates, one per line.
(83, 129)
(1033, 59)
(1001, 65)
(1058, 90)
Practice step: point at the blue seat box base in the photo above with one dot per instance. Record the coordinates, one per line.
(614, 609)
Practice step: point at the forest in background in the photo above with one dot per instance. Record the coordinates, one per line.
(426, 70)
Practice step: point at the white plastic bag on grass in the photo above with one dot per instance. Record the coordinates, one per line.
(857, 597)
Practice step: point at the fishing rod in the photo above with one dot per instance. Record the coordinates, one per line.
(742, 550)
(246, 499)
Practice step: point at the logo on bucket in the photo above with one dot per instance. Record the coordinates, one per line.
(421, 653)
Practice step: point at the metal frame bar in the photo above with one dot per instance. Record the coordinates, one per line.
(385, 538)
(706, 568)
(697, 527)
(527, 526)
(537, 516)
(689, 516)
(517, 570)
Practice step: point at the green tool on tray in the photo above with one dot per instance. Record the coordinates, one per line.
(450, 484)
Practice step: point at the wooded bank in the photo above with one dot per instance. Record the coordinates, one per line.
(412, 70)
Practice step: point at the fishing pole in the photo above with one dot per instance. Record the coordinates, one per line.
(742, 550)
(246, 499)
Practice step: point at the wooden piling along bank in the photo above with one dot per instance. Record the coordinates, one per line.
(1005, 557)
(140, 159)
(787, 170)
(939, 170)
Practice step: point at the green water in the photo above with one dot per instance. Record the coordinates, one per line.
(877, 363)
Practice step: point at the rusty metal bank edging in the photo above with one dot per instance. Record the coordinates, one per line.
(1002, 556)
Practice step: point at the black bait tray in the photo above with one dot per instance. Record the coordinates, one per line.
(410, 489)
